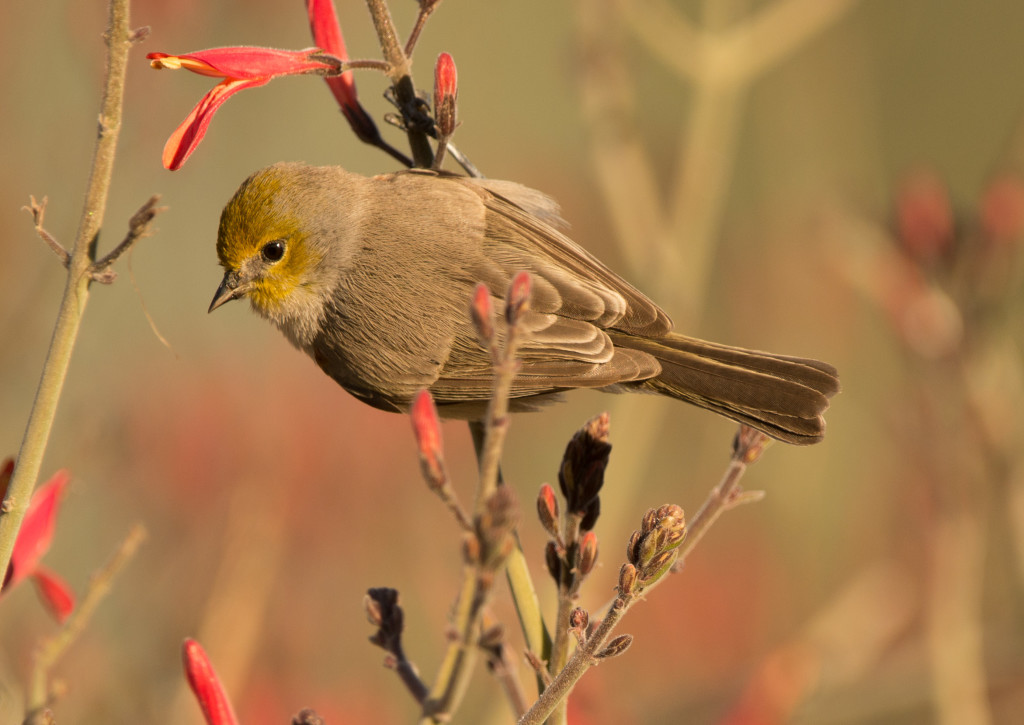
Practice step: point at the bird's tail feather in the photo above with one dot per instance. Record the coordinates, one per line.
(780, 395)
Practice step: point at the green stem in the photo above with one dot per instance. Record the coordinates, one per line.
(567, 591)
(51, 650)
(524, 595)
(30, 457)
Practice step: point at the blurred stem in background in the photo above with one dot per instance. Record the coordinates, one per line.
(83, 268)
(669, 237)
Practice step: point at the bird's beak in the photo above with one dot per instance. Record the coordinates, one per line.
(231, 288)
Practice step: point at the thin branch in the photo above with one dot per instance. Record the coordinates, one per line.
(520, 583)
(426, 8)
(399, 72)
(138, 227)
(51, 650)
(119, 39)
(383, 611)
(778, 31)
(581, 661)
(496, 422)
(464, 162)
(38, 210)
(747, 448)
(498, 662)
(364, 64)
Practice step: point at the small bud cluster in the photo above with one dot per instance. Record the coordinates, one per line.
(653, 549)
(492, 541)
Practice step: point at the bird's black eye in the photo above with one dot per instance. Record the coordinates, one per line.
(273, 251)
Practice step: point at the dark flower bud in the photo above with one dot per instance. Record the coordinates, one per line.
(616, 647)
(553, 561)
(627, 580)
(582, 472)
(578, 619)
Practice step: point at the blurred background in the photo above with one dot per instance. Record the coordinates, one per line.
(826, 178)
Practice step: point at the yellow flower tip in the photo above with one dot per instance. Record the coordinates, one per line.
(162, 61)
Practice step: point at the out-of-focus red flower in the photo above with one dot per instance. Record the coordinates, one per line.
(240, 67)
(203, 680)
(1002, 209)
(925, 225)
(55, 593)
(34, 540)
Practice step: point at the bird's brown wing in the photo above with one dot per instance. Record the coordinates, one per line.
(574, 298)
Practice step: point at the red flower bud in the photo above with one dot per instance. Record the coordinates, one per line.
(587, 553)
(205, 684)
(427, 428)
(482, 311)
(518, 297)
(446, 92)
(547, 509)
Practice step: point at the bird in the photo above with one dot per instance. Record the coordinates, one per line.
(372, 277)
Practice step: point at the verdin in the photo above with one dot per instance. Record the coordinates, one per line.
(372, 278)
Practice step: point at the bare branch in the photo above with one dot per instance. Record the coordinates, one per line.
(138, 227)
(38, 210)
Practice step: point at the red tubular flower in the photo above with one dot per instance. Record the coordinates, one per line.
(323, 22)
(34, 540)
(205, 684)
(241, 67)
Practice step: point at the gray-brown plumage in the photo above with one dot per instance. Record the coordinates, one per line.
(372, 277)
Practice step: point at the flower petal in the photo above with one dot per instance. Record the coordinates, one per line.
(205, 684)
(187, 136)
(246, 62)
(323, 22)
(36, 530)
(55, 593)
